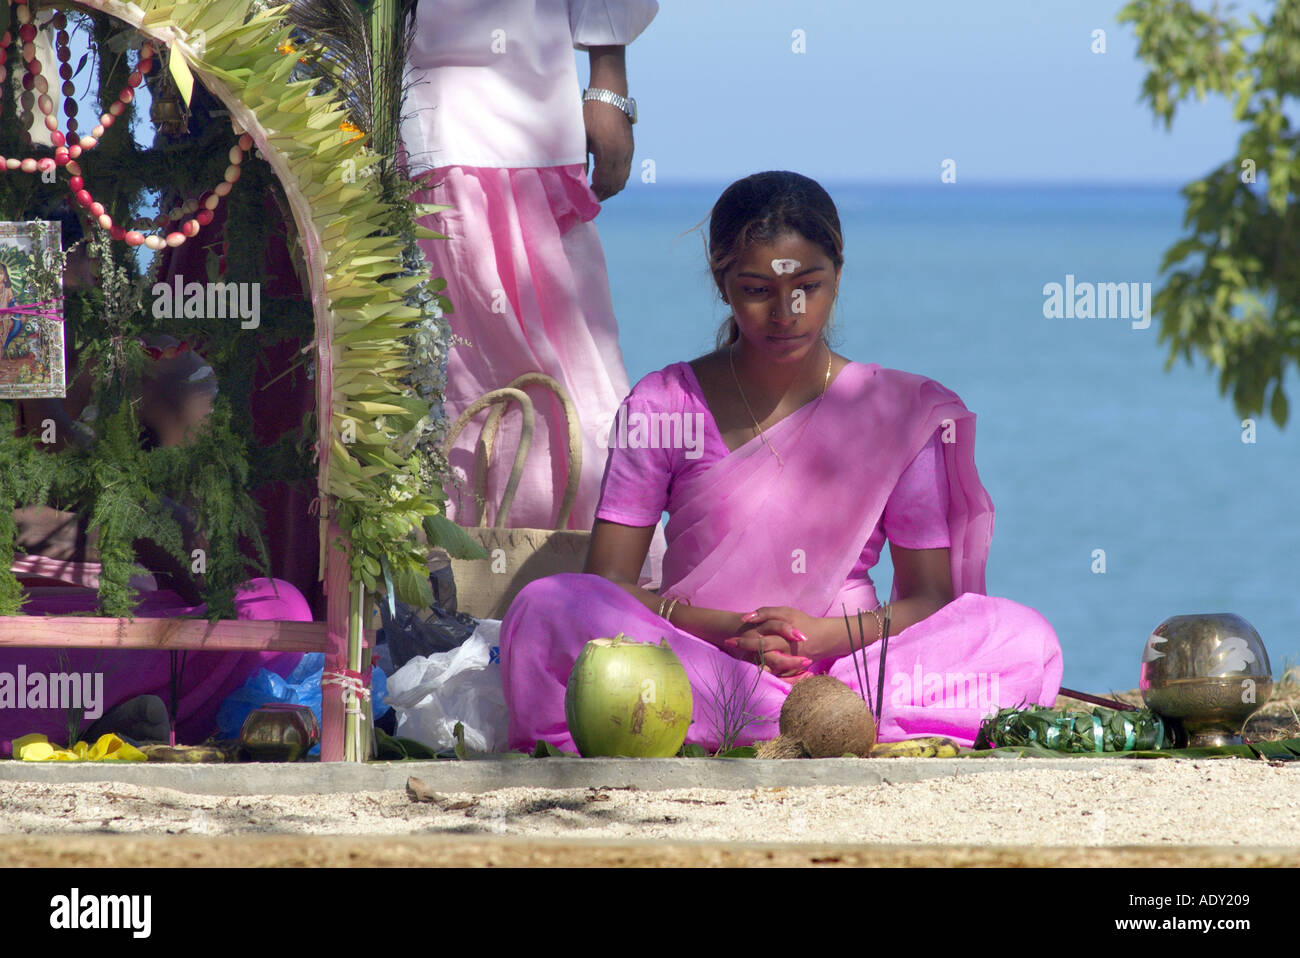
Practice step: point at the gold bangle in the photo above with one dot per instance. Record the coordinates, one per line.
(671, 605)
(880, 624)
(662, 603)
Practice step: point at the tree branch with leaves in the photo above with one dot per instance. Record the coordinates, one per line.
(1233, 287)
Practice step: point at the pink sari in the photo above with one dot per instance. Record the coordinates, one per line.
(747, 522)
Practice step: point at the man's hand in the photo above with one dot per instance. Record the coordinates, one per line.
(609, 140)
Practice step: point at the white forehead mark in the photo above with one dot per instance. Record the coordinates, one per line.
(782, 266)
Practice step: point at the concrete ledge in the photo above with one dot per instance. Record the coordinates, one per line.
(483, 775)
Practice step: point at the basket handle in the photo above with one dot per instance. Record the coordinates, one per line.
(488, 437)
(495, 397)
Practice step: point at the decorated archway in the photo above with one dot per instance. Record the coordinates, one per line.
(375, 319)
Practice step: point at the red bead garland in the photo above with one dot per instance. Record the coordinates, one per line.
(186, 220)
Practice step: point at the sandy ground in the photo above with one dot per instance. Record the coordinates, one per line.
(1220, 805)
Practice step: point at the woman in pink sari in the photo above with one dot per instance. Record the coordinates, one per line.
(784, 469)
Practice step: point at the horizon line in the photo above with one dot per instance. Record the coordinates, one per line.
(873, 181)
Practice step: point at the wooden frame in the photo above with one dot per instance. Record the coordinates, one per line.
(90, 632)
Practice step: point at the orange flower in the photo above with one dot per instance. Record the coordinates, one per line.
(347, 127)
(287, 48)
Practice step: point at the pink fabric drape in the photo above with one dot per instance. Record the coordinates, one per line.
(209, 676)
(731, 546)
(526, 276)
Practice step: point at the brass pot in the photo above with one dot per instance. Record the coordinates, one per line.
(1210, 672)
(279, 733)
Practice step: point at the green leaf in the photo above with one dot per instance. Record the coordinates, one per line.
(389, 748)
(1283, 751)
(691, 750)
(412, 587)
(1279, 408)
(1225, 751)
(547, 750)
(455, 539)
(413, 748)
(746, 751)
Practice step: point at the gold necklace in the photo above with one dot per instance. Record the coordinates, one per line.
(731, 358)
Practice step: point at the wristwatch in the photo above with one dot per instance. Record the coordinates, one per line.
(624, 103)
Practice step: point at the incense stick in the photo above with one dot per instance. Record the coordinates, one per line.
(862, 636)
(880, 677)
(174, 688)
(1098, 700)
(862, 684)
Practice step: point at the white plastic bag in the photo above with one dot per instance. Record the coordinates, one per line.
(432, 693)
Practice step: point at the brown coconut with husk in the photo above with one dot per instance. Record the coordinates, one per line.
(822, 718)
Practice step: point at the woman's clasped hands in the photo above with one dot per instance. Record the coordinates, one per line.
(777, 639)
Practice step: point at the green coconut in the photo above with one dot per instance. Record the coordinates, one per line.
(629, 699)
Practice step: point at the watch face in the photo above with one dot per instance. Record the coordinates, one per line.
(631, 109)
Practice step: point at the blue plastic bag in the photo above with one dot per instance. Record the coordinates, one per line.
(299, 687)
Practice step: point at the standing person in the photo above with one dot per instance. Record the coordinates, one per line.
(498, 131)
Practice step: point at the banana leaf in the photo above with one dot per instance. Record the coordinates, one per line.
(1287, 750)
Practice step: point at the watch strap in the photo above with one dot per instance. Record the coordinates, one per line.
(624, 103)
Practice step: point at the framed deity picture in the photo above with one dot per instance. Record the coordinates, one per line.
(31, 310)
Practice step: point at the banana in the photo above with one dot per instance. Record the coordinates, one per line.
(932, 746)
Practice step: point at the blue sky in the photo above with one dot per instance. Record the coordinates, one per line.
(1008, 89)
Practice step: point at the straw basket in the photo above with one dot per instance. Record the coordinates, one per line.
(486, 587)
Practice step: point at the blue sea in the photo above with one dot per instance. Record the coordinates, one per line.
(1084, 440)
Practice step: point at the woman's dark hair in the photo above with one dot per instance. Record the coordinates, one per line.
(762, 207)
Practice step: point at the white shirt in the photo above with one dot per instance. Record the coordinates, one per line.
(494, 82)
